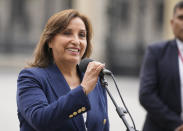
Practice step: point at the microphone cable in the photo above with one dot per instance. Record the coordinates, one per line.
(123, 100)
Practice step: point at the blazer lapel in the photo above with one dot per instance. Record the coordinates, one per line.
(57, 81)
(175, 62)
(61, 87)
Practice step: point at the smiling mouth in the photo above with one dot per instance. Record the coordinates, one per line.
(73, 50)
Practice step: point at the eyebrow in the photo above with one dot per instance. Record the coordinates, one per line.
(72, 29)
(83, 30)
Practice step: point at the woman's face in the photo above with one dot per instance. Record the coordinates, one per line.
(69, 45)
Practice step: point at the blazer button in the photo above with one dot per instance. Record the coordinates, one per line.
(75, 113)
(70, 116)
(83, 109)
(104, 122)
(79, 111)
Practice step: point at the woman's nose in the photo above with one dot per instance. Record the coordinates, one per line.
(75, 39)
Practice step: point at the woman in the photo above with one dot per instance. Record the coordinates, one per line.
(52, 94)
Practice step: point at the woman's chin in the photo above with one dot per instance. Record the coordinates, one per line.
(75, 60)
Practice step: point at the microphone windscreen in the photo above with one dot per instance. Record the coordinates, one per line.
(84, 63)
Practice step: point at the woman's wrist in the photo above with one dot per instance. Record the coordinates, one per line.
(85, 90)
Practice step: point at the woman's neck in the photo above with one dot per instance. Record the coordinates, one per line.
(67, 68)
(70, 74)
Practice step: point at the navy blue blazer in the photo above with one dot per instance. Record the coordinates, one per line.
(160, 87)
(46, 103)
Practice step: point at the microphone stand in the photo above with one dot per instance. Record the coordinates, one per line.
(121, 112)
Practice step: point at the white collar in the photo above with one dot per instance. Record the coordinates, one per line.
(179, 44)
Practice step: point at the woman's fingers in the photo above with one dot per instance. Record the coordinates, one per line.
(95, 66)
(91, 75)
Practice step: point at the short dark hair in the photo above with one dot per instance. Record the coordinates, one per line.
(179, 5)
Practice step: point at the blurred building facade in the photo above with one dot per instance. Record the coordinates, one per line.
(122, 28)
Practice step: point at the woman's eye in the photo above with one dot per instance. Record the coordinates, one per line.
(67, 33)
(82, 34)
(180, 17)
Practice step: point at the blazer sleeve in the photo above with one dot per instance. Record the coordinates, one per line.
(35, 109)
(149, 98)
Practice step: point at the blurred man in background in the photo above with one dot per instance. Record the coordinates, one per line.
(161, 80)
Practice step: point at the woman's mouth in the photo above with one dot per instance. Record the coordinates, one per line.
(73, 50)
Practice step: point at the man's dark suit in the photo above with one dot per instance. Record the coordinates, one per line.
(160, 87)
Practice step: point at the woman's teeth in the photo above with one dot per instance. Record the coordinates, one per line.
(74, 50)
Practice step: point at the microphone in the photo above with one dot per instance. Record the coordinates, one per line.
(121, 112)
(84, 63)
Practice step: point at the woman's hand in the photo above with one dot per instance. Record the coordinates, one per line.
(91, 75)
